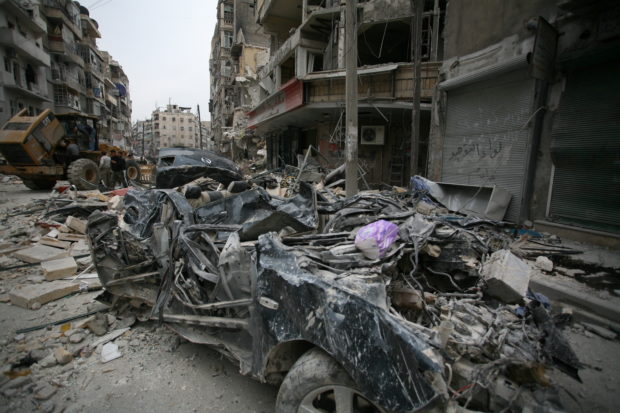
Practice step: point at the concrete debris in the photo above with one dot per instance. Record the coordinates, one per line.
(544, 263)
(507, 276)
(62, 356)
(39, 253)
(109, 352)
(27, 295)
(76, 224)
(98, 324)
(45, 393)
(57, 269)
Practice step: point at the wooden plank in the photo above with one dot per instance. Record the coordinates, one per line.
(53, 242)
(63, 236)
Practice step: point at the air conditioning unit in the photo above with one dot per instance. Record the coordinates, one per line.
(373, 135)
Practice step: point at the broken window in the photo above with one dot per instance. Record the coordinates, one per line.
(387, 42)
(227, 40)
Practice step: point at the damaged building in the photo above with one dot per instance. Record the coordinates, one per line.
(303, 85)
(238, 48)
(529, 105)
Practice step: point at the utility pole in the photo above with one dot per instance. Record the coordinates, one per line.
(351, 92)
(199, 126)
(416, 48)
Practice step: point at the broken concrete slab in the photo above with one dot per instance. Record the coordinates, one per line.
(26, 295)
(76, 224)
(53, 242)
(71, 237)
(56, 269)
(39, 253)
(507, 276)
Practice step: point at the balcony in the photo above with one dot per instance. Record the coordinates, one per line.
(55, 44)
(279, 15)
(30, 90)
(23, 46)
(61, 76)
(56, 10)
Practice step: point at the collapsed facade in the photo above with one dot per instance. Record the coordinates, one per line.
(51, 61)
(530, 105)
(238, 48)
(303, 85)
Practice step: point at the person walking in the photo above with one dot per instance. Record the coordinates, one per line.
(104, 168)
(118, 169)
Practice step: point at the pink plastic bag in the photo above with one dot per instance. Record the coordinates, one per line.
(375, 239)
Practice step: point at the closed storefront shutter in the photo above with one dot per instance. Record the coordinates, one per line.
(585, 150)
(487, 134)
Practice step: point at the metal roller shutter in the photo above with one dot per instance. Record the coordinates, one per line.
(585, 150)
(487, 135)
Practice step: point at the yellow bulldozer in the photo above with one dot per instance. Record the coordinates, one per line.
(46, 148)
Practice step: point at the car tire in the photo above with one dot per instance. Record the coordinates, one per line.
(84, 174)
(133, 171)
(317, 383)
(39, 184)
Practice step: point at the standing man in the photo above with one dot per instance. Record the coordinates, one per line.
(104, 169)
(118, 169)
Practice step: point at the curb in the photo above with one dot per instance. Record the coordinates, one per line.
(577, 300)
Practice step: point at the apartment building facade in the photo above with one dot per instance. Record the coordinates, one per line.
(25, 63)
(50, 60)
(303, 86)
(175, 126)
(238, 48)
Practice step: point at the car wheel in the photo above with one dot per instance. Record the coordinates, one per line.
(317, 384)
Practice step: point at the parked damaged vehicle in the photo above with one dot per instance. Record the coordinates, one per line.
(279, 287)
(178, 166)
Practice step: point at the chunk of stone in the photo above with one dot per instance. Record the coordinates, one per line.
(507, 276)
(62, 355)
(46, 392)
(17, 382)
(76, 338)
(76, 224)
(56, 269)
(98, 325)
(544, 263)
(26, 295)
(48, 361)
(40, 253)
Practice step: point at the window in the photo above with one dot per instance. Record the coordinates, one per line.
(174, 119)
(189, 128)
(227, 41)
(181, 120)
(7, 64)
(164, 118)
(182, 128)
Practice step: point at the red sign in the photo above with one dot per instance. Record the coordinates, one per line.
(289, 97)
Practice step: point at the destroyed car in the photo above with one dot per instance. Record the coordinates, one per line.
(282, 287)
(178, 166)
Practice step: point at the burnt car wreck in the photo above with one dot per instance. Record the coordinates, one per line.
(438, 316)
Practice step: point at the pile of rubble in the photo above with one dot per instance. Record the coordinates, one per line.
(440, 297)
(421, 305)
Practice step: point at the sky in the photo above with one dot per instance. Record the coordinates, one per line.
(163, 47)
